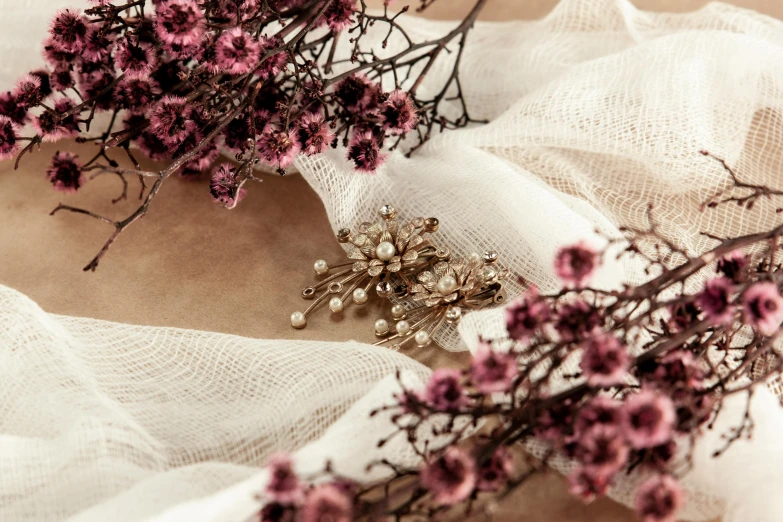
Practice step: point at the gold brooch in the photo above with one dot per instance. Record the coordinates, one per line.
(400, 260)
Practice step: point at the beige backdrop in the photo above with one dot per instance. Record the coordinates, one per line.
(194, 265)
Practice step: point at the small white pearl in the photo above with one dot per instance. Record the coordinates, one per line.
(403, 327)
(385, 251)
(381, 326)
(475, 258)
(360, 296)
(446, 285)
(398, 311)
(321, 267)
(336, 305)
(298, 320)
(422, 338)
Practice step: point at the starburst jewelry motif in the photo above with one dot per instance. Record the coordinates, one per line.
(381, 254)
(446, 288)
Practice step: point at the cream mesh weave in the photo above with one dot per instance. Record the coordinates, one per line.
(596, 111)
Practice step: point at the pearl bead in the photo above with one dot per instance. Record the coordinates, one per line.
(381, 327)
(475, 258)
(385, 251)
(336, 305)
(398, 311)
(453, 314)
(422, 338)
(321, 267)
(298, 320)
(403, 327)
(446, 285)
(360, 296)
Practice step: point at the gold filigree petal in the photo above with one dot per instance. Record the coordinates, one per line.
(403, 236)
(360, 266)
(426, 277)
(394, 267)
(459, 266)
(415, 241)
(386, 236)
(410, 255)
(431, 286)
(451, 297)
(435, 301)
(393, 226)
(369, 251)
(355, 253)
(441, 269)
(376, 262)
(421, 296)
(360, 240)
(417, 289)
(375, 270)
(374, 232)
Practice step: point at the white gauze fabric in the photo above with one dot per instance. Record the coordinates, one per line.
(595, 111)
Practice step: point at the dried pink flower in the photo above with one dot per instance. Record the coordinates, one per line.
(398, 113)
(68, 31)
(365, 151)
(274, 64)
(587, 483)
(278, 147)
(313, 133)
(136, 93)
(527, 315)
(444, 390)
(225, 187)
(327, 503)
(97, 46)
(576, 264)
(237, 52)
(450, 478)
(605, 360)
(276, 512)
(577, 320)
(61, 79)
(763, 307)
(648, 419)
(8, 139)
(284, 485)
(339, 14)
(734, 265)
(28, 91)
(658, 499)
(13, 110)
(357, 93)
(598, 411)
(135, 59)
(171, 120)
(493, 371)
(495, 471)
(65, 172)
(715, 301)
(179, 22)
(52, 127)
(603, 449)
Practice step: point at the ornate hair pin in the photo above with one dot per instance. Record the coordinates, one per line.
(378, 252)
(399, 259)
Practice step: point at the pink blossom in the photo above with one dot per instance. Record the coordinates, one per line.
(204, 160)
(679, 366)
(65, 172)
(365, 151)
(55, 56)
(683, 315)
(526, 315)
(8, 138)
(599, 411)
(136, 93)
(136, 59)
(46, 86)
(28, 91)
(715, 301)
(271, 66)
(97, 45)
(576, 264)
(52, 127)
(577, 320)
(605, 360)
(179, 22)
(68, 31)
(493, 371)
(552, 422)
(313, 133)
(444, 390)
(96, 85)
(61, 79)
(13, 110)
(339, 14)
(588, 483)
(734, 265)
(225, 187)
(171, 120)
(603, 449)
(327, 503)
(276, 512)
(278, 147)
(283, 483)
(237, 52)
(357, 94)
(450, 478)
(495, 471)
(648, 419)
(763, 307)
(658, 499)
(398, 113)
(237, 135)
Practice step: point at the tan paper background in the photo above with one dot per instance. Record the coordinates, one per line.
(192, 264)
